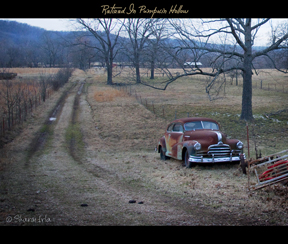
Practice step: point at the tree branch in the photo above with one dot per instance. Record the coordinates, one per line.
(259, 24)
(235, 35)
(274, 46)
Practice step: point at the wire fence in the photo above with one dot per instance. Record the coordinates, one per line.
(169, 113)
(158, 110)
(19, 114)
(262, 85)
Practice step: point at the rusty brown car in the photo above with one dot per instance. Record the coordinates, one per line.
(198, 140)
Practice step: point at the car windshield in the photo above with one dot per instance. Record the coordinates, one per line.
(198, 125)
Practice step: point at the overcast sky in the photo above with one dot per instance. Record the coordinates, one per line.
(66, 25)
(48, 24)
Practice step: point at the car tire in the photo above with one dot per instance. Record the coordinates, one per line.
(186, 160)
(162, 155)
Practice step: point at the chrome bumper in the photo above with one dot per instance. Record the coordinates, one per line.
(195, 159)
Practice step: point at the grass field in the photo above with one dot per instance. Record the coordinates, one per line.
(187, 95)
(114, 136)
(131, 132)
(31, 71)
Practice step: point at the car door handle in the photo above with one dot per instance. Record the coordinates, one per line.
(186, 136)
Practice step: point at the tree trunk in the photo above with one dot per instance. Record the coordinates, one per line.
(109, 65)
(152, 70)
(109, 75)
(138, 80)
(246, 113)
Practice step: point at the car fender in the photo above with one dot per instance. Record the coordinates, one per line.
(189, 145)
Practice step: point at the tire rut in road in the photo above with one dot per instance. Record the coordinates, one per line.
(41, 137)
(67, 170)
(67, 184)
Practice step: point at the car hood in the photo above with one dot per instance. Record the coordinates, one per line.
(206, 137)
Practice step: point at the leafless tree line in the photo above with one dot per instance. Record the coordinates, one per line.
(226, 46)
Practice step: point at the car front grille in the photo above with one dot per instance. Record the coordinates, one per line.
(219, 150)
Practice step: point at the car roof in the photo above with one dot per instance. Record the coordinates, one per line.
(192, 119)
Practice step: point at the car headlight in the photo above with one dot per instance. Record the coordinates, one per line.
(197, 146)
(239, 145)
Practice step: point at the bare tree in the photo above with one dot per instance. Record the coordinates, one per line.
(154, 52)
(51, 47)
(196, 36)
(106, 32)
(44, 82)
(139, 30)
(81, 52)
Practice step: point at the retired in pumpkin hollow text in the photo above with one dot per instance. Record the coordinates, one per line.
(131, 9)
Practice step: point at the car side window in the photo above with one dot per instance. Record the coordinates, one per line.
(178, 128)
(169, 129)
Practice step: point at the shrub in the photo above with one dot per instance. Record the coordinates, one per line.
(61, 78)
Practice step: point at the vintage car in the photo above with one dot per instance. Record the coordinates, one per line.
(198, 140)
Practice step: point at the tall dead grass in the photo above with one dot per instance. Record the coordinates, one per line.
(108, 95)
(32, 71)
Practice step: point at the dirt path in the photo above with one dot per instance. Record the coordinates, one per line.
(81, 176)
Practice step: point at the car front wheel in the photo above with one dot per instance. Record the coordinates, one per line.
(162, 155)
(186, 160)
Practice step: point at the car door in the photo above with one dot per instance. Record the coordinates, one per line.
(176, 141)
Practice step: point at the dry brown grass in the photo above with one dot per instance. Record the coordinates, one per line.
(32, 71)
(129, 132)
(123, 134)
(108, 95)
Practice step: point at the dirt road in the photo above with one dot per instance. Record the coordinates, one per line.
(85, 174)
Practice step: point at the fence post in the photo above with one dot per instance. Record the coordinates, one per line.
(3, 126)
(20, 115)
(25, 111)
(12, 118)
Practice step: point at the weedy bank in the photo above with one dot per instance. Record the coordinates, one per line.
(129, 131)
